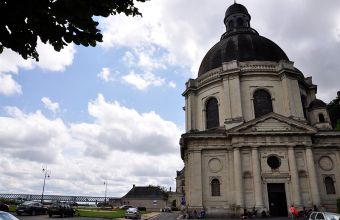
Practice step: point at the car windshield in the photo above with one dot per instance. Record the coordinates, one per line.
(6, 216)
(132, 209)
(28, 203)
(332, 216)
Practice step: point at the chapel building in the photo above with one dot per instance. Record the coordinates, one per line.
(256, 135)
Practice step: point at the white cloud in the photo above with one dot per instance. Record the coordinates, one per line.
(143, 81)
(141, 147)
(105, 75)
(52, 106)
(49, 59)
(12, 62)
(32, 136)
(172, 84)
(8, 86)
(144, 133)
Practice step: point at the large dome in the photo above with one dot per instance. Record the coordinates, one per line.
(240, 42)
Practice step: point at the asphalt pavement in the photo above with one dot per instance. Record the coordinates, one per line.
(161, 216)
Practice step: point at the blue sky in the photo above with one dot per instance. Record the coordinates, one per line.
(114, 112)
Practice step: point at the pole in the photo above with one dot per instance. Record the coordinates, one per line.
(42, 194)
(105, 183)
(46, 175)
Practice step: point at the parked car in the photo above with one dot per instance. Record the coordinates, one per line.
(20, 200)
(61, 209)
(125, 207)
(133, 213)
(7, 216)
(4, 207)
(324, 216)
(31, 208)
(166, 209)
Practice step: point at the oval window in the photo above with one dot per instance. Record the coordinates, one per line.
(274, 162)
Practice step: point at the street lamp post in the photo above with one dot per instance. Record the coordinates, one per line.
(105, 183)
(46, 175)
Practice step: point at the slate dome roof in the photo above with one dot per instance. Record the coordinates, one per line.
(241, 43)
(316, 103)
(236, 8)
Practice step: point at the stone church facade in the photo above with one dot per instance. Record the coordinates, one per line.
(256, 135)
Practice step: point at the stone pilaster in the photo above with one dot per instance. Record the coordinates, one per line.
(257, 178)
(312, 177)
(238, 178)
(294, 177)
(195, 180)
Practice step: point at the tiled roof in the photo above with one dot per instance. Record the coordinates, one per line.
(145, 192)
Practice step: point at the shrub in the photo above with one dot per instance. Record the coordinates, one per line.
(141, 209)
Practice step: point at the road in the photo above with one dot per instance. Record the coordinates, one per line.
(44, 217)
(162, 216)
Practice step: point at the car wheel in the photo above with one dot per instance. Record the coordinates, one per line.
(50, 215)
(18, 213)
(33, 212)
(62, 215)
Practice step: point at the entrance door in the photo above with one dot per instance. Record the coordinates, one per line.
(277, 199)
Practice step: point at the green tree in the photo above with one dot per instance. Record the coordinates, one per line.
(57, 22)
(334, 112)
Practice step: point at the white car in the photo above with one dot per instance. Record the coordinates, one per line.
(132, 213)
(7, 216)
(324, 216)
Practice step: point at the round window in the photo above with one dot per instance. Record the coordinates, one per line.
(274, 162)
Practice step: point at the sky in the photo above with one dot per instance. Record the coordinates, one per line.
(114, 113)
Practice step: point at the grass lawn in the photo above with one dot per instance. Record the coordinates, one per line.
(96, 213)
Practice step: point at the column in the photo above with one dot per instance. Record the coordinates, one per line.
(294, 175)
(238, 178)
(312, 176)
(257, 178)
(195, 181)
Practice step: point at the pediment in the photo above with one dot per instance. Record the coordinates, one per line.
(273, 123)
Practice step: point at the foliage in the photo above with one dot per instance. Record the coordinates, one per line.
(12, 208)
(338, 205)
(57, 22)
(334, 112)
(7, 201)
(141, 209)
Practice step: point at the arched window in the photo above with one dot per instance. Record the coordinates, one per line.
(329, 183)
(321, 118)
(262, 103)
(239, 22)
(231, 25)
(304, 104)
(211, 110)
(215, 187)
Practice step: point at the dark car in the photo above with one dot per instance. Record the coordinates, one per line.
(31, 208)
(4, 207)
(61, 209)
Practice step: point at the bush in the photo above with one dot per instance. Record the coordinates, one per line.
(338, 205)
(7, 201)
(174, 209)
(141, 209)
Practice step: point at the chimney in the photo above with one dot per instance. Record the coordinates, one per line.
(133, 186)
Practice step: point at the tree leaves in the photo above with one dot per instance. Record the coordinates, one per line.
(57, 22)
